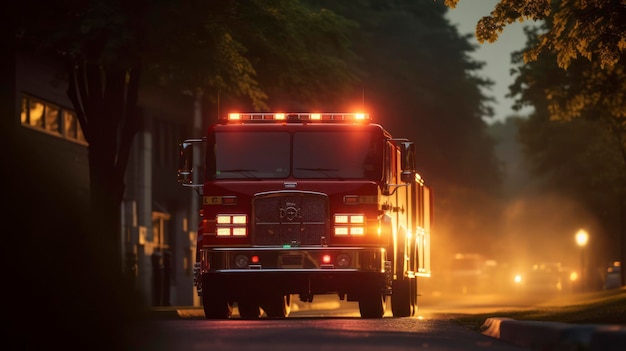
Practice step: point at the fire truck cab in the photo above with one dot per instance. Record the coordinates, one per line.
(305, 204)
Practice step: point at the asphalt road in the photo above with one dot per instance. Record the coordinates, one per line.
(327, 323)
(326, 331)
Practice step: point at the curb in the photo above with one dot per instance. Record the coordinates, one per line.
(539, 335)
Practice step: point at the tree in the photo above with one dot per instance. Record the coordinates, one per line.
(586, 41)
(114, 48)
(579, 158)
(593, 29)
(588, 34)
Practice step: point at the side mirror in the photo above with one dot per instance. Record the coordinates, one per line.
(185, 162)
(407, 162)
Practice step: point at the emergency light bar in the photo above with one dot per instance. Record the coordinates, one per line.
(297, 117)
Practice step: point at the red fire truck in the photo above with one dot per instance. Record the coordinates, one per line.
(306, 204)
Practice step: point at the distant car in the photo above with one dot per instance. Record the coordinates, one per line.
(613, 276)
(546, 278)
(470, 273)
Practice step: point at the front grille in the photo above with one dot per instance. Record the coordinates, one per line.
(286, 217)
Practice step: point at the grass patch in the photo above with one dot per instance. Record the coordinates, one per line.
(606, 307)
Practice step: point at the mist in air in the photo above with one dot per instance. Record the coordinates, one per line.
(525, 243)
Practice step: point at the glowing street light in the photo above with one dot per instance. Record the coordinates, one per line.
(581, 239)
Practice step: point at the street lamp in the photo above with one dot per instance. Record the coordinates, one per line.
(581, 239)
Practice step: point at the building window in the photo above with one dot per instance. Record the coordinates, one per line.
(71, 127)
(49, 117)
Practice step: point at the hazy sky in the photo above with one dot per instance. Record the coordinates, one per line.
(497, 55)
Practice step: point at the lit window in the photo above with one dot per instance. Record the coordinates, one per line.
(52, 121)
(36, 114)
(52, 118)
(72, 129)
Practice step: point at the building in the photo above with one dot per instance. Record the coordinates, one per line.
(158, 233)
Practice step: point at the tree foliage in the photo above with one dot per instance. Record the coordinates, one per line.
(593, 29)
(581, 158)
(587, 34)
(572, 72)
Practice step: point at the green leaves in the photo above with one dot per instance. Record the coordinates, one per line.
(594, 30)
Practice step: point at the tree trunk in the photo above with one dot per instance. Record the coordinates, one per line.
(106, 191)
(105, 100)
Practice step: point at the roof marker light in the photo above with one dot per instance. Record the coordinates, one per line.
(252, 117)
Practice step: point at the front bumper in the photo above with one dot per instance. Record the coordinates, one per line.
(302, 270)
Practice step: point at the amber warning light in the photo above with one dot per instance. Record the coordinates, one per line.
(297, 117)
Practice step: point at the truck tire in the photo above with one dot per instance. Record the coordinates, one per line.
(401, 302)
(413, 297)
(216, 305)
(372, 305)
(248, 309)
(278, 306)
(413, 282)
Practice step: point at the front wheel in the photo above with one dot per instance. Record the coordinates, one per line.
(248, 309)
(402, 303)
(372, 305)
(278, 306)
(216, 305)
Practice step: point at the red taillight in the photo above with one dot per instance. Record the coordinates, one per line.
(326, 259)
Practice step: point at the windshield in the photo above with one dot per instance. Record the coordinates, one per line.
(263, 155)
(336, 155)
(252, 155)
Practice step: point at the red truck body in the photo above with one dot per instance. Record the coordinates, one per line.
(304, 204)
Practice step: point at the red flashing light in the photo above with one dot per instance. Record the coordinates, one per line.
(298, 116)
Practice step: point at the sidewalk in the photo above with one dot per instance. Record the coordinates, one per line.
(545, 335)
(557, 336)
